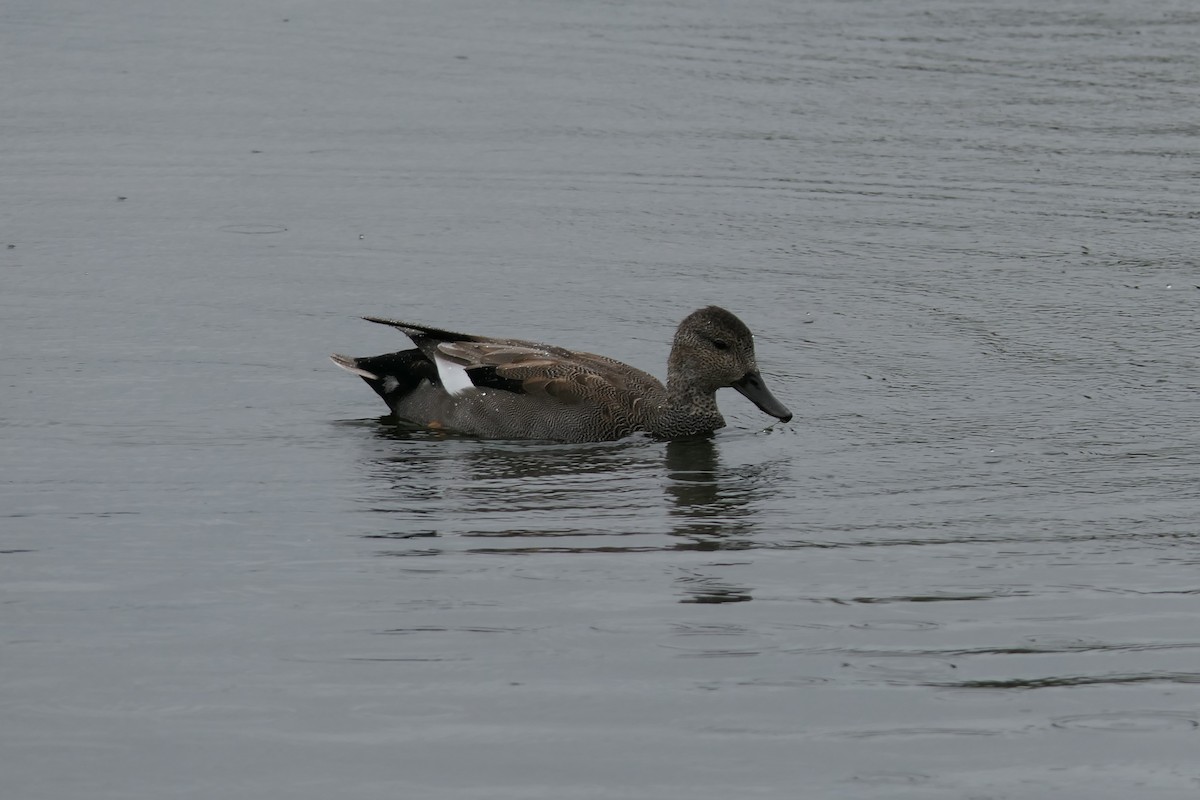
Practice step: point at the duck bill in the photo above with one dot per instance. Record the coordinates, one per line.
(752, 387)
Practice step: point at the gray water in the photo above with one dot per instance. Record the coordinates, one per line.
(965, 235)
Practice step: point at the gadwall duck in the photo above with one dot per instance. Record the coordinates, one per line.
(514, 389)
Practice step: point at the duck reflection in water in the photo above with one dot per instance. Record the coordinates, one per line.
(531, 498)
(708, 515)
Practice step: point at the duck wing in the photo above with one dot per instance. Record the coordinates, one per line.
(536, 369)
(464, 361)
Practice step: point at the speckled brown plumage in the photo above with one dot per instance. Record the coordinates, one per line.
(526, 390)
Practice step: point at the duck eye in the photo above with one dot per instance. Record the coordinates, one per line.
(720, 344)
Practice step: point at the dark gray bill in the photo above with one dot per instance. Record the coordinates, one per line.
(751, 385)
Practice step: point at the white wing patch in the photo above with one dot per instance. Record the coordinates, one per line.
(454, 377)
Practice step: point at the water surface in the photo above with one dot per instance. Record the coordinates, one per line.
(964, 235)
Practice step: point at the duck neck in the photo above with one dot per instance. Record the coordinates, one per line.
(690, 409)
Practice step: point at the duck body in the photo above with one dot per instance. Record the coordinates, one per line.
(517, 389)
